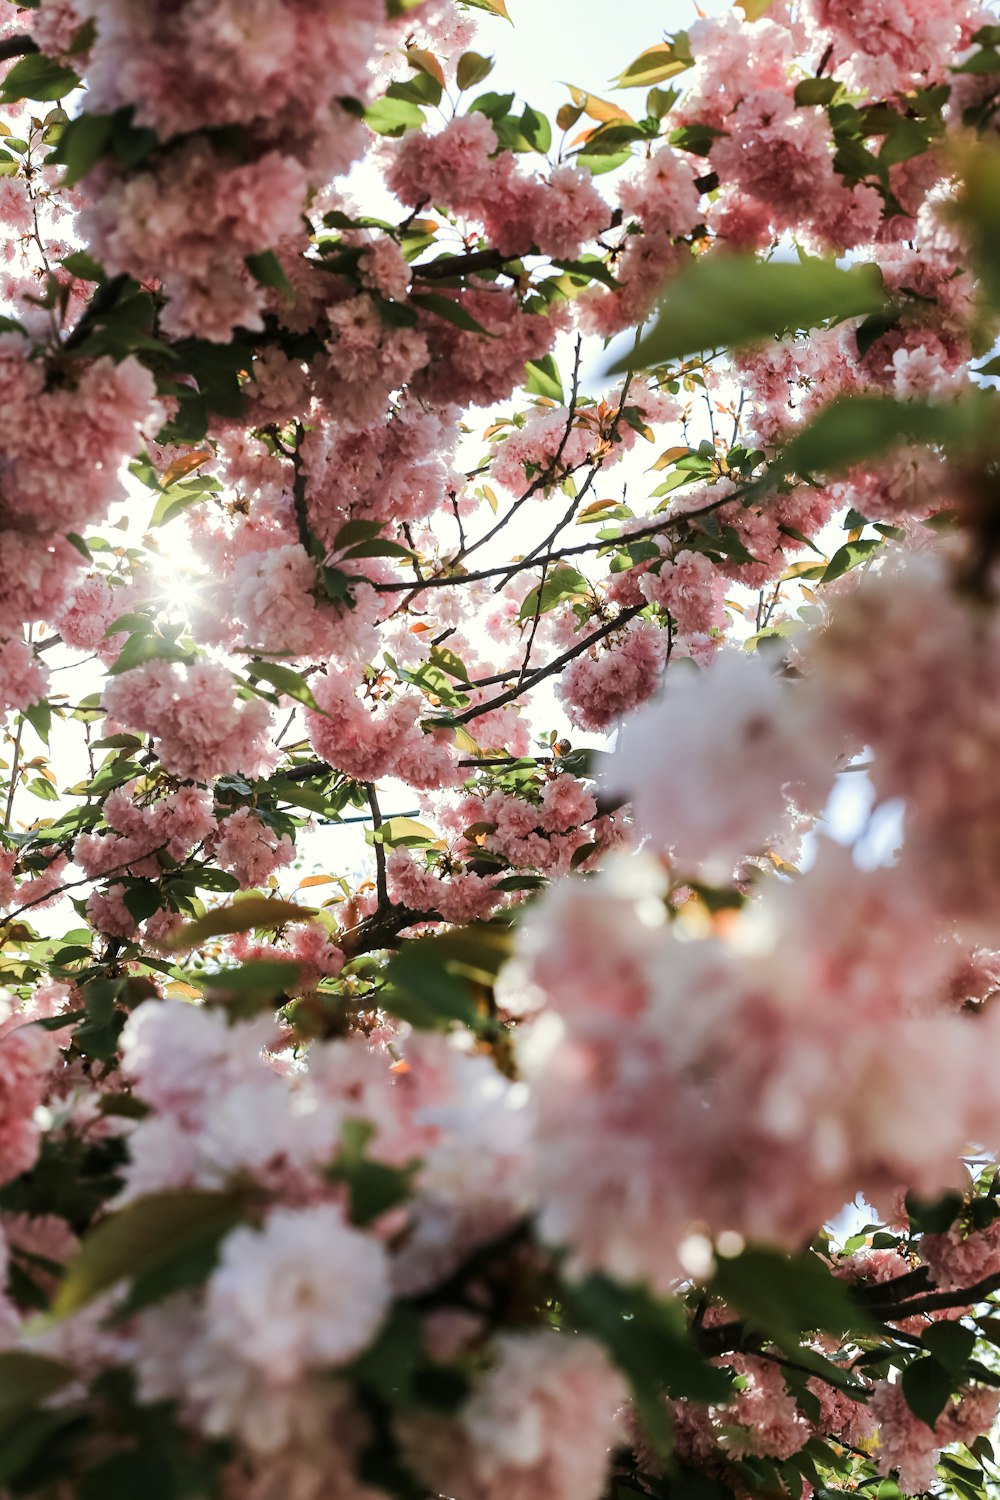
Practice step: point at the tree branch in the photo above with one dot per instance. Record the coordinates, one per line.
(380, 878)
(622, 618)
(727, 1338)
(15, 772)
(17, 46)
(381, 929)
(936, 1301)
(663, 523)
(448, 266)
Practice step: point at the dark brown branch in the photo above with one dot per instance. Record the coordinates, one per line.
(622, 618)
(299, 493)
(936, 1301)
(893, 1307)
(896, 1290)
(381, 929)
(17, 46)
(446, 267)
(71, 885)
(380, 877)
(305, 772)
(544, 548)
(664, 523)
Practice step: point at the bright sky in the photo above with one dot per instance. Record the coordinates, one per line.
(585, 42)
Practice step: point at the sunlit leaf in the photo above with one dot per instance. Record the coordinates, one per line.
(656, 64)
(287, 681)
(242, 916)
(727, 301)
(405, 833)
(495, 7)
(598, 109)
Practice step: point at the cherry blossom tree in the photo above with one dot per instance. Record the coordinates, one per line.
(455, 561)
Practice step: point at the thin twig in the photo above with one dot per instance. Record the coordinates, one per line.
(381, 884)
(621, 619)
(71, 885)
(663, 523)
(14, 772)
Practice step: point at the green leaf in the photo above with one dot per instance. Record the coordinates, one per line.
(785, 1295)
(535, 130)
(651, 1343)
(118, 742)
(543, 379)
(853, 429)
(251, 988)
(493, 106)
(82, 144)
(696, 138)
(905, 139)
(405, 833)
(588, 268)
(356, 531)
(27, 1379)
(951, 1344)
(253, 912)
(291, 683)
(451, 310)
(139, 649)
(140, 1238)
(218, 369)
(656, 64)
(43, 789)
(495, 7)
(927, 1387)
(39, 716)
(423, 88)
(83, 266)
(446, 660)
(874, 327)
(726, 301)
(38, 77)
(597, 165)
(560, 583)
(816, 90)
(431, 979)
(387, 1365)
(373, 1188)
(132, 624)
(267, 269)
(848, 557)
(472, 69)
(380, 547)
(393, 117)
(613, 138)
(142, 898)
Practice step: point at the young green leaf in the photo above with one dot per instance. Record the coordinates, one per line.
(141, 1237)
(242, 916)
(727, 301)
